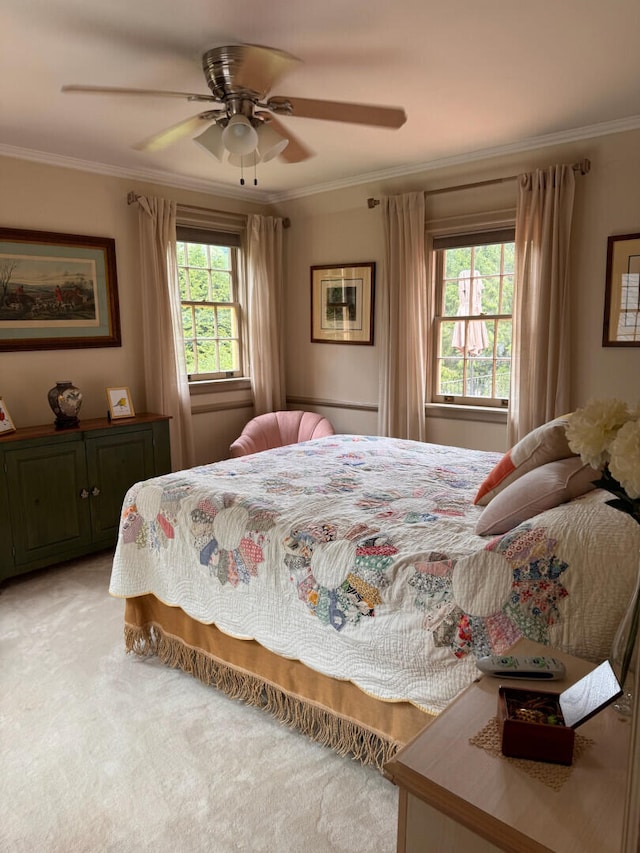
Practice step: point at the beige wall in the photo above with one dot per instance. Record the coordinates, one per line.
(48, 198)
(334, 227)
(338, 227)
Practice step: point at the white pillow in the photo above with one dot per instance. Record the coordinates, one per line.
(536, 491)
(543, 444)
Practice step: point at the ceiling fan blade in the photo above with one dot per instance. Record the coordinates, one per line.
(392, 117)
(260, 68)
(174, 133)
(296, 151)
(116, 90)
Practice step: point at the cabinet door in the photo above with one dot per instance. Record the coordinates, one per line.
(48, 502)
(115, 462)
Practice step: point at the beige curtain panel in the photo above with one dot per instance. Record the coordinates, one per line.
(541, 326)
(265, 288)
(167, 388)
(403, 310)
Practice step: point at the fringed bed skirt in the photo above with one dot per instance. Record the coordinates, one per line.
(334, 713)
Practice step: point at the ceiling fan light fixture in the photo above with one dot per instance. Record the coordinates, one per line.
(239, 137)
(270, 143)
(244, 160)
(211, 140)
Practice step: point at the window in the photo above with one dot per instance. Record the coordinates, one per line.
(211, 312)
(474, 303)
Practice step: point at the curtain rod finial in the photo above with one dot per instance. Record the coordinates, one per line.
(372, 202)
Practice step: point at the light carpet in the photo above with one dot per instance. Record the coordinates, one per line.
(103, 751)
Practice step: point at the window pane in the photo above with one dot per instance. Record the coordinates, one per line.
(199, 282)
(479, 377)
(491, 294)
(207, 357)
(509, 257)
(456, 260)
(450, 376)
(487, 259)
(205, 322)
(451, 298)
(228, 355)
(503, 342)
(184, 284)
(507, 295)
(189, 356)
(221, 287)
(196, 255)
(206, 275)
(187, 322)
(446, 339)
(470, 289)
(473, 356)
(220, 257)
(225, 322)
(503, 378)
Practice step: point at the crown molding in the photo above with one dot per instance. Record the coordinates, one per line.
(166, 179)
(248, 194)
(530, 144)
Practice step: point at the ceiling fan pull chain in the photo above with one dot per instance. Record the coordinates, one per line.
(255, 174)
(241, 171)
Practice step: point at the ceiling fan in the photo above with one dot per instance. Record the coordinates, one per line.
(243, 125)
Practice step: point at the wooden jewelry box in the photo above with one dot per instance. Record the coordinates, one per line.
(540, 725)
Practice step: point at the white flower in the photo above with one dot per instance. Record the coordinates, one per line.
(592, 429)
(624, 461)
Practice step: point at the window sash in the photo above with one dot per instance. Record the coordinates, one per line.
(486, 368)
(221, 345)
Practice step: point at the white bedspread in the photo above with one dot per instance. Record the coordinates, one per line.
(356, 555)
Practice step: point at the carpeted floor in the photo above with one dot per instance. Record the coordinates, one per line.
(102, 751)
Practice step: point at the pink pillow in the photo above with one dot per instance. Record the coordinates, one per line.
(544, 444)
(536, 491)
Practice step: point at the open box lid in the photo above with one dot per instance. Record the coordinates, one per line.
(589, 695)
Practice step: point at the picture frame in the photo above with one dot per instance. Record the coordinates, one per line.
(621, 326)
(57, 291)
(342, 303)
(6, 424)
(120, 405)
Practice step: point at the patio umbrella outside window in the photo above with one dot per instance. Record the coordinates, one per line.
(470, 288)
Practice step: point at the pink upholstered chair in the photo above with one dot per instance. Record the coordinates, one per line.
(276, 429)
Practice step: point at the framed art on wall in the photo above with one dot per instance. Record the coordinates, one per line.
(57, 291)
(622, 292)
(6, 424)
(120, 405)
(342, 299)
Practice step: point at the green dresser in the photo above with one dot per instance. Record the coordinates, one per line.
(61, 492)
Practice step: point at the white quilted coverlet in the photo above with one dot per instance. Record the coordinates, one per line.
(357, 556)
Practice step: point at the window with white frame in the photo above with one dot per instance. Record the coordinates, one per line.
(473, 277)
(208, 264)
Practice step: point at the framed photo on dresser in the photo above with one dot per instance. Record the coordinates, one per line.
(6, 424)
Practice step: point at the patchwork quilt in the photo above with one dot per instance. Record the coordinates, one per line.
(357, 556)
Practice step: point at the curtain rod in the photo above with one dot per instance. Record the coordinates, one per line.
(582, 167)
(133, 197)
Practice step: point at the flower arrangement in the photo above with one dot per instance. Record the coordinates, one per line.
(606, 435)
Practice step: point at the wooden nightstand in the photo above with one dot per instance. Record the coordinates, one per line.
(458, 796)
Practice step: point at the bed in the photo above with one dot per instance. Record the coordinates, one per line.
(343, 584)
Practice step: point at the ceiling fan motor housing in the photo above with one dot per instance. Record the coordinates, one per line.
(221, 66)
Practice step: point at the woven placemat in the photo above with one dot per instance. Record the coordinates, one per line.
(552, 775)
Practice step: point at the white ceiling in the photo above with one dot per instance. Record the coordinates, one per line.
(473, 76)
